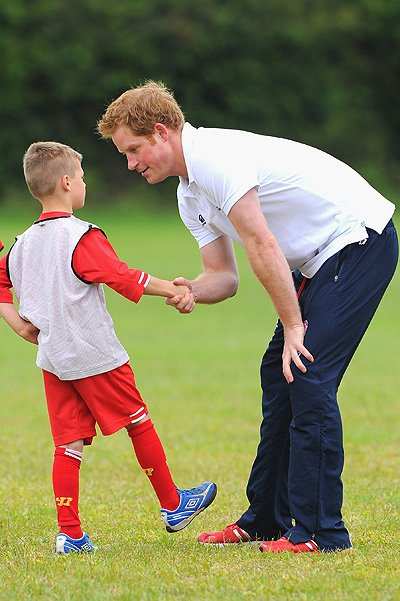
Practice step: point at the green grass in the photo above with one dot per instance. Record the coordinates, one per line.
(199, 374)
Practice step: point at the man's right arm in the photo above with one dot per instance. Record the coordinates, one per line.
(219, 279)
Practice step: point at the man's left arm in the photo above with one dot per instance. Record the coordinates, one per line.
(271, 268)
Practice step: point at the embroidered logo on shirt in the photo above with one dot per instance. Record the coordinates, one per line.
(202, 220)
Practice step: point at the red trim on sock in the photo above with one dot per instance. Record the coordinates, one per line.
(151, 457)
(66, 492)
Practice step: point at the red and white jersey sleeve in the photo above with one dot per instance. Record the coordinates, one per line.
(5, 283)
(96, 262)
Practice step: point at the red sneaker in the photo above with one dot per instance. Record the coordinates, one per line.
(283, 544)
(231, 534)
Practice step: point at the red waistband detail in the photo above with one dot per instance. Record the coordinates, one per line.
(301, 287)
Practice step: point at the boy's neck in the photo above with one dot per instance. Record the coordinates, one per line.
(52, 204)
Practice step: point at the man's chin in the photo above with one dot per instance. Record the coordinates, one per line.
(155, 180)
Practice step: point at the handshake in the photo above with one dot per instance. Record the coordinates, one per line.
(184, 299)
(178, 293)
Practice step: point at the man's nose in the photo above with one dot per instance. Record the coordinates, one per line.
(132, 163)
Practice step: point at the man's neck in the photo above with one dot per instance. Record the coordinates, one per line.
(179, 167)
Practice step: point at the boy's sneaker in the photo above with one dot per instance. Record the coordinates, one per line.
(231, 534)
(283, 544)
(192, 502)
(65, 544)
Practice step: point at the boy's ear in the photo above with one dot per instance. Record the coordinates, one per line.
(65, 183)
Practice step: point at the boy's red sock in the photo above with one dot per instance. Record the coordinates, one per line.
(151, 457)
(66, 490)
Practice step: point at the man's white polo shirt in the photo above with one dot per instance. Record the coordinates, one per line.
(313, 203)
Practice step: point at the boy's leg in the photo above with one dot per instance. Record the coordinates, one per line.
(151, 457)
(70, 420)
(115, 402)
(66, 465)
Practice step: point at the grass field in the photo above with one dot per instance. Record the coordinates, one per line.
(199, 374)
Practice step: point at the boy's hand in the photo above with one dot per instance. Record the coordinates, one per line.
(29, 332)
(183, 301)
(23, 328)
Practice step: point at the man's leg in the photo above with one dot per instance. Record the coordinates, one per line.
(268, 515)
(339, 303)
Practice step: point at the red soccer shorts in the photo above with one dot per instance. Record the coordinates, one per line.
(110, 399)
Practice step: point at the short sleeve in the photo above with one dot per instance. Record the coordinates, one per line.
(225, 176)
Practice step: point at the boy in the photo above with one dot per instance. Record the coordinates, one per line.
(56, 267)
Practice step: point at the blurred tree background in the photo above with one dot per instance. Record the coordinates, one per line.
(324, 72)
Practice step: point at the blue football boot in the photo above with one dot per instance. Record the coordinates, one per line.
(65, 544)
(192, 502)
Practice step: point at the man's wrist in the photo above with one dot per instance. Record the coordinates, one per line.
(194, 287)
(292, 325)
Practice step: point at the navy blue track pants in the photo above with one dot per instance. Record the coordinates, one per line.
(295, 486)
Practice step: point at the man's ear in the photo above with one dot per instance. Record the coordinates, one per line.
(162, 131)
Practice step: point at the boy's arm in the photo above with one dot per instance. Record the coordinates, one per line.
(95, 261)
(23, 328)
(5, 283)
(157, 287)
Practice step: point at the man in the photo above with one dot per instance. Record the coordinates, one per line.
(294, 208)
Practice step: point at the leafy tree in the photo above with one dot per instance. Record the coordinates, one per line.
(326, 73)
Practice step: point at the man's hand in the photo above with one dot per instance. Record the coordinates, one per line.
(292, 350)
(184, 300)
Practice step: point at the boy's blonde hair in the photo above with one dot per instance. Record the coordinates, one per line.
(45, 163)
(140, 109)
